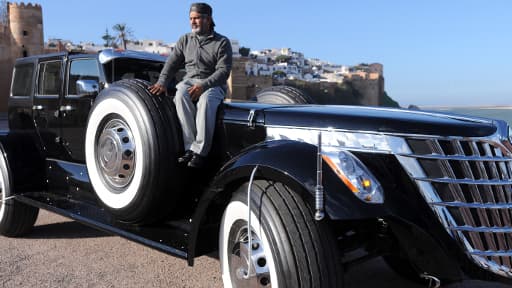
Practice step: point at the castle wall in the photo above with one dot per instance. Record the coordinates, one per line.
(26, 23)
(5, 66)
(241, 86)
(371, 89)
(21, 36)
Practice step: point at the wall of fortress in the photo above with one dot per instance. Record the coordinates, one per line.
(5, 66)
(21, 36)
(241, 86)
(371, 89)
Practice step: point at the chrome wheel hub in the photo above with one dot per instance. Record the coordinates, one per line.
(115, 154)
(238, 259)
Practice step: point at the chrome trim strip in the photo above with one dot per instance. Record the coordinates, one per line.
(482, 230)
(458, 157)
(474, 205)
(108, 55)
(500, 253)
(465, 181)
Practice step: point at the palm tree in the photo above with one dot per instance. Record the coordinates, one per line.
(109, 39)
(123, 33)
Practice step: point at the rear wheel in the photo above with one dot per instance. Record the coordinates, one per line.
(132, 142)
(282, 95)
(289, 248)
(16, 218)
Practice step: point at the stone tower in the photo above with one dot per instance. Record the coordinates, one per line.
(21, 34)
(26, 23)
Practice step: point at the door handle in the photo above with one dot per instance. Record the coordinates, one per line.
(67, 108)
(38, 107)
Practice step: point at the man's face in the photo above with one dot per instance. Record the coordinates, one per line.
(200, 23)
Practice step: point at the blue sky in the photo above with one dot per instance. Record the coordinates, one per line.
(436, 52)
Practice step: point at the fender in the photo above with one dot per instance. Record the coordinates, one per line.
(290, 162)
(25, 161)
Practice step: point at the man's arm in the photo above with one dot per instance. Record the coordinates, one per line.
(172, 65)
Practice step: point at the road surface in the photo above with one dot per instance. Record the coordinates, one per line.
(63, 253)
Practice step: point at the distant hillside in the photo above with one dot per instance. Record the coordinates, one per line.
(328, 93)
(387, 101)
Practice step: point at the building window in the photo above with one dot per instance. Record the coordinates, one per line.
(25, 33)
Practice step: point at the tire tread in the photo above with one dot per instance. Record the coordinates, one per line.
(301, 230)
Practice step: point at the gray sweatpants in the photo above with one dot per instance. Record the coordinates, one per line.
(197, 120)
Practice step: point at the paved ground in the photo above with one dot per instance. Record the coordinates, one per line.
(64, 253)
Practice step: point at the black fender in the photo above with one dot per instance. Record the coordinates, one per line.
(25, 160)
(291, 162)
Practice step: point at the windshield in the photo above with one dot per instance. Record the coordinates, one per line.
(128, 68)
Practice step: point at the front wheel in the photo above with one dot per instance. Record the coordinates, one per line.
(289, 248)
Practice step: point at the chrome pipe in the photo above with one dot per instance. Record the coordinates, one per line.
(249, 230)
(319, 189)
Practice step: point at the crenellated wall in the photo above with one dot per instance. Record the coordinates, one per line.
(21, 36)
(26, 23)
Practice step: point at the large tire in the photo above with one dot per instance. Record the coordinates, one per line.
(16, 218)
(282, 95)
(131, 146)
(292, 249)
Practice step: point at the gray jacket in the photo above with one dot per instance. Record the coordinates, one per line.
(209, 59)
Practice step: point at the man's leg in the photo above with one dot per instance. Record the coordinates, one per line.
(186, 111)
(205, 119)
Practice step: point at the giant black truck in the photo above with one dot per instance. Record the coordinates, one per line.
(290, 190)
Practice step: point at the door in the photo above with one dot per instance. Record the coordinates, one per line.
(75, 107)
(45, 109)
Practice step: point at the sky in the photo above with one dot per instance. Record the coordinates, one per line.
(435, 52)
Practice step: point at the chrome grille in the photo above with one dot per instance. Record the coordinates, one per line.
(468, 184)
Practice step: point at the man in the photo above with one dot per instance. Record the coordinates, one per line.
(207, 57)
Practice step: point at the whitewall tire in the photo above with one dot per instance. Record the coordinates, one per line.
(131, 145)
(289, 249)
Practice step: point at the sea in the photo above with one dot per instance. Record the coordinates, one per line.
(495, 112)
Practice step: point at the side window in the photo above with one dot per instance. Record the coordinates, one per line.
(48, 80)
(82, 69)
(22, 82)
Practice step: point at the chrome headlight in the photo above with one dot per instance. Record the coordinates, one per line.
(335, 145)
(355, 175)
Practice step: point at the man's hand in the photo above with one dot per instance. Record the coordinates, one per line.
(195, 92)
(157, 89)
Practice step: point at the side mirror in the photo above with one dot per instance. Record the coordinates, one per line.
(87, 88)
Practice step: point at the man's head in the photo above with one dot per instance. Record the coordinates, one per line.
(201, 18)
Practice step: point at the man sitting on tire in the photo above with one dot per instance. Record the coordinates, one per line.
(207, 57)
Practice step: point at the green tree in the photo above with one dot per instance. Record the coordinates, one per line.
(109, 39)
(387, 101)
(123, 34)
(283, 59)
(244, 51)
(279, 74)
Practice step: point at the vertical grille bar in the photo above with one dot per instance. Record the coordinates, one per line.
(457, 193)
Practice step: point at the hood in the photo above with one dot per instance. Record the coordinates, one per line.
(384, 120)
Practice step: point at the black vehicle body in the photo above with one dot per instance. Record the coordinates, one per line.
(423, 216)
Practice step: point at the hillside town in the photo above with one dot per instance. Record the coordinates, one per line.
(21, 35)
